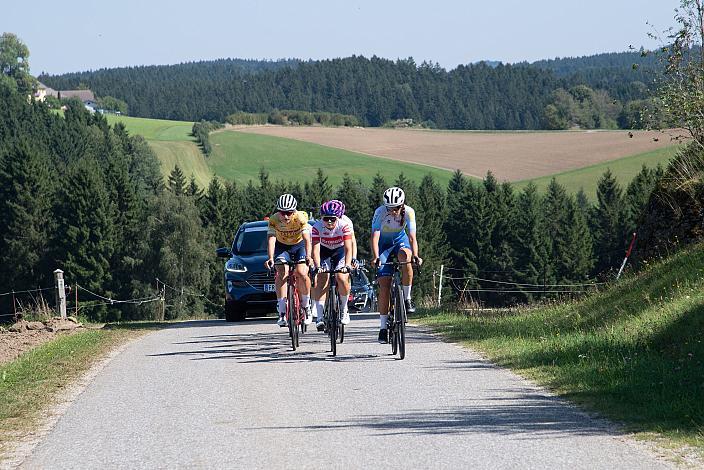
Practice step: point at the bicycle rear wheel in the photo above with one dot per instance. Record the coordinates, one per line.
(400, 323)
(342, 332)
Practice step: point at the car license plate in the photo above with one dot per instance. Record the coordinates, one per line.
(269, 287)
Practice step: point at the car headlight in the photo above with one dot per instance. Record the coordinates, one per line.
(235, 267)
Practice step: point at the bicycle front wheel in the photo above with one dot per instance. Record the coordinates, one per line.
(333, 327)
(292, 316)
(400, 323)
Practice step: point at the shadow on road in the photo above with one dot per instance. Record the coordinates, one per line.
(275, 345)
(532, 415)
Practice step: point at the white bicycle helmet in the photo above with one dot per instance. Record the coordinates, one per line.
(286, 202)
(394, 197)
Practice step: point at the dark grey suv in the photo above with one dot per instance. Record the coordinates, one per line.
(248, 284)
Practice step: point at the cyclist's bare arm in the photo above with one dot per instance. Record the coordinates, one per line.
(354, 246)
(316, 254)
(414, 246)
(375, 244)
(309, 247)
(271, 242)
(348, 252)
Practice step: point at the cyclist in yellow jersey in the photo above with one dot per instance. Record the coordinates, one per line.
(289, 240)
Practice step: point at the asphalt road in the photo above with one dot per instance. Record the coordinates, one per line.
(219, 395)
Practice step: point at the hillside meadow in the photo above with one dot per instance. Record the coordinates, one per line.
(239, 153)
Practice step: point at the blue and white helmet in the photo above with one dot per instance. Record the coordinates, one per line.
(394, 197)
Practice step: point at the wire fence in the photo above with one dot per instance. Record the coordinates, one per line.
(95, 299)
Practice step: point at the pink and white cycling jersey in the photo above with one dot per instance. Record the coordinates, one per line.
(335, 237)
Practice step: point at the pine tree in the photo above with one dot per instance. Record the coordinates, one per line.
(212, 207)
(409, 188)
(637, 196)
(233, 212)
(578, 244)
(85, 235)
(316, 192)
(532, 243)
(432, 242)
(555, 203)
(193, 190)
(608, 223)
(376, 193)
(26, 196)
(354, 195)
(177, 181)
(454, 225)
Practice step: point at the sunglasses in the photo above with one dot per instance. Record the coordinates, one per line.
(286, 212)
(329, 220)
(394, 209)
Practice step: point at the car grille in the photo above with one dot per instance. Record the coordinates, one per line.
(257, 280)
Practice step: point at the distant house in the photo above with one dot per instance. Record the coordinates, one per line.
(43, 91)
(86, 96)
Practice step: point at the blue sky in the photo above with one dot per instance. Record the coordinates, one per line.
(76, 35)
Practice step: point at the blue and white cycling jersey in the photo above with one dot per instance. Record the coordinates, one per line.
(393, 228)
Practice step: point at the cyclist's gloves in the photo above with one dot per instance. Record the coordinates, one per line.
(417, 260)
(269, 264)
(376, 262)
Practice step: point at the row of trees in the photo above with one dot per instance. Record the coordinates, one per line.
(201, 131)
(375, 90)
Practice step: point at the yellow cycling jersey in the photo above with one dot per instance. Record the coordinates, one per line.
(289, 233)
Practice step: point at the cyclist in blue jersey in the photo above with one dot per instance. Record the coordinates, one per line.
(394, 234)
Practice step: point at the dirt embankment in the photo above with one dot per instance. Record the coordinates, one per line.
(25, 335)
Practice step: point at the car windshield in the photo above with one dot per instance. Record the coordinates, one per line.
(250, 240)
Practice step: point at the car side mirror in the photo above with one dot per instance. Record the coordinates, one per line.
(223, 252)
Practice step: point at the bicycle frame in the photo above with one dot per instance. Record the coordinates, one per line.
(333, 323)
(294, 316)
(397, 318)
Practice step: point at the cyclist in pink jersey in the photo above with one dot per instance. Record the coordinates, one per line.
(334, 248)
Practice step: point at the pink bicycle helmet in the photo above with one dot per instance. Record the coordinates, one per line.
(333, 207)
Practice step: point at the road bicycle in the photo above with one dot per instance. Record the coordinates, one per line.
(295, 315)
(333, 313)
(397, 318)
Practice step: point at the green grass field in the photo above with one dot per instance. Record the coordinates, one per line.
(173, 144)
(239, 156)
(155, 129)
(624, 169)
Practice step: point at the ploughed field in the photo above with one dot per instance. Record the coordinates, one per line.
(512, 156)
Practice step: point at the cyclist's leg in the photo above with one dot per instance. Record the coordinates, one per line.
(298, 255)
(281, 255)
(384, 277)
(343, 287)
(405, 254)
(320, 291)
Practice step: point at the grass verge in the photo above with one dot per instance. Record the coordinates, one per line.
(31, 384)
(632, 353)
